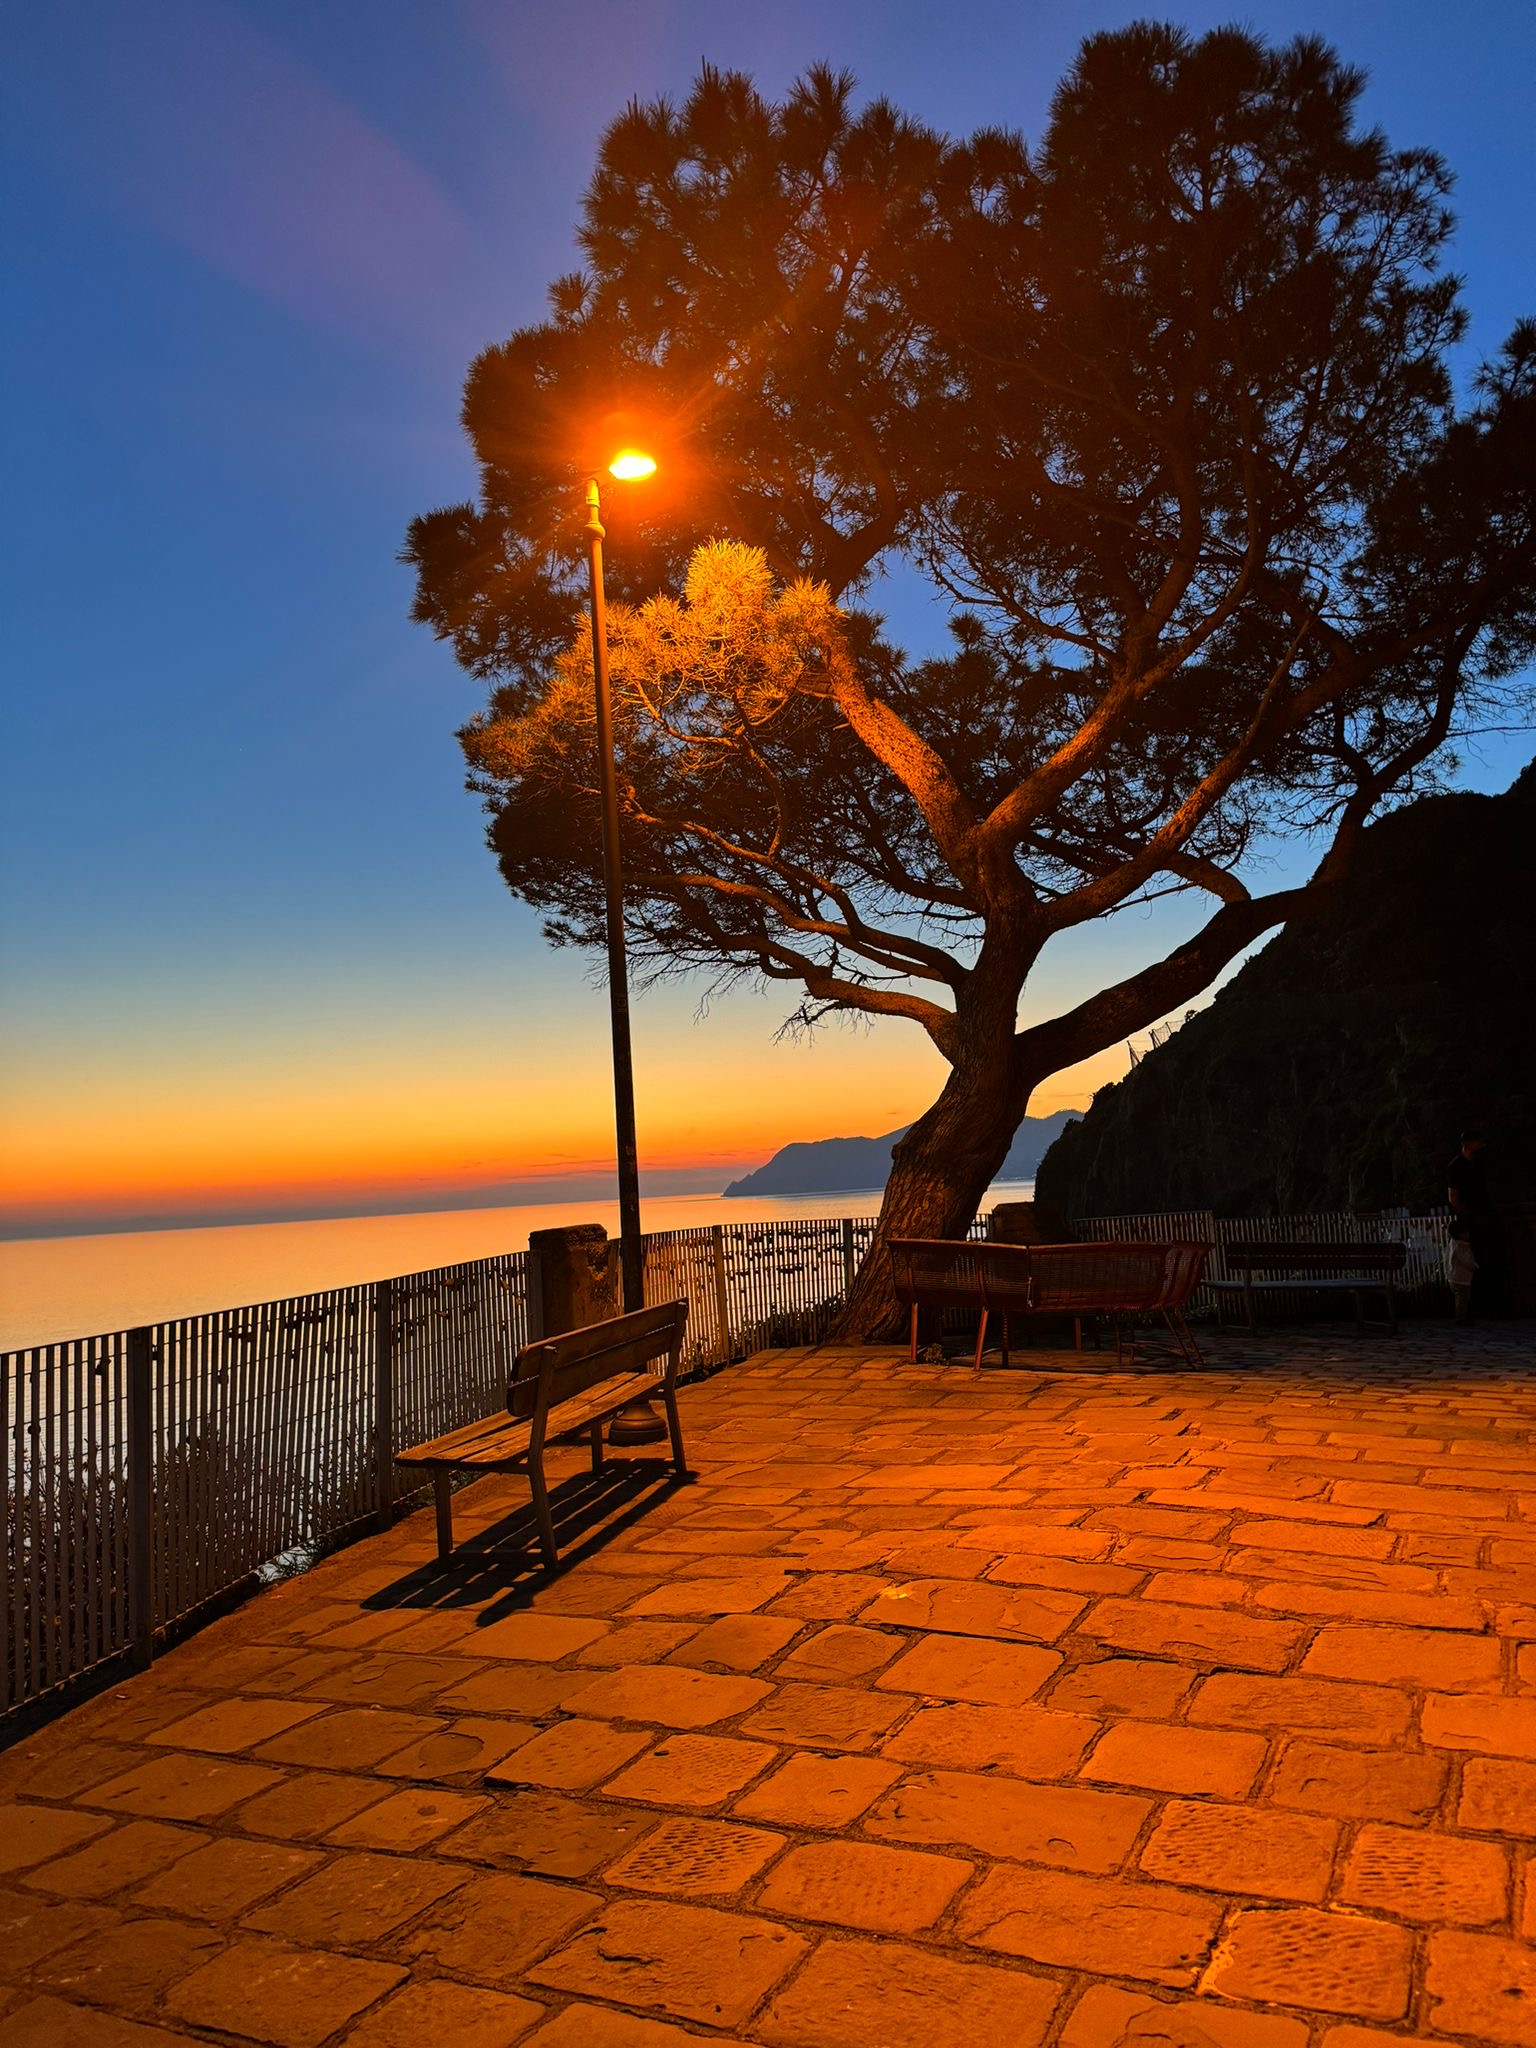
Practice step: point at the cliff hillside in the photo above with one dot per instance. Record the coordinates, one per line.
(1338, 1067)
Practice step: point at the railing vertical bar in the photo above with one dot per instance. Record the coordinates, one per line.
(203, 1560)
(47, 1480)
(141, 1627)
(14, 1578)
(265, 1347)
(41, 1507)
(239, 1487)
(114, 1504)
(170, 1479)
(75, 1602)
(326, 1457)
(384, 1401)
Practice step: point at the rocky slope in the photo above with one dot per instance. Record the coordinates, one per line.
(1337, 1068)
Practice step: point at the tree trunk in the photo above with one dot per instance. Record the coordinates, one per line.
(939, 1172)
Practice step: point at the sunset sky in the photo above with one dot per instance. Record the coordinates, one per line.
(257, 959)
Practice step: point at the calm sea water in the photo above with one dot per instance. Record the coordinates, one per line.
(53, 1288)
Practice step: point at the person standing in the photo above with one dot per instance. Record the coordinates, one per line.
(1475, 1225)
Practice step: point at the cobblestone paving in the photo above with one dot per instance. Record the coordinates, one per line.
(1072, 1706)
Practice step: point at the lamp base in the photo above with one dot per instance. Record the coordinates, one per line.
(637, 1424)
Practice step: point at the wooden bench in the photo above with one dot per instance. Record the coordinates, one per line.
(1118, 1279)
(1355, 1269)
(561, 1387)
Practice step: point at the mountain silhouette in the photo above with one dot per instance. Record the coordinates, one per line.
(845, 1166)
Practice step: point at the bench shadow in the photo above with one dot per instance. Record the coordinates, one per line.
(501, 1558)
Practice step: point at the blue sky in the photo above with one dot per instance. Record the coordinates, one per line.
(252, 250)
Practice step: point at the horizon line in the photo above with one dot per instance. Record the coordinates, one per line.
(149, 1226)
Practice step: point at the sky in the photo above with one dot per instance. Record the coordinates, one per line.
(257, 961)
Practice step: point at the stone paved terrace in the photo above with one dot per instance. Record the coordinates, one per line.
(1070, 1705)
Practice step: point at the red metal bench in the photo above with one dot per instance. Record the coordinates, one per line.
(1117, 1279)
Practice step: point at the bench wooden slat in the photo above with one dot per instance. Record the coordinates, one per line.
(454, 1442)
(1258, 1256)
(504, 1439)
(1312, 1283)
(640, 1326)
(570, 1375)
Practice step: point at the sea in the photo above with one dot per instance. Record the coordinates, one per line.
(55, 1288)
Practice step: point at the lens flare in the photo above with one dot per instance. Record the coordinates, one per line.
(630, 464)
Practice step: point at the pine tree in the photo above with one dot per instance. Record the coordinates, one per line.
(1163, 405)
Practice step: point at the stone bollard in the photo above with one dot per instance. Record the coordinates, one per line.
(1025, 1223)
(572, 1279)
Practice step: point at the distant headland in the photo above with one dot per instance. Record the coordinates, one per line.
(845, 1166)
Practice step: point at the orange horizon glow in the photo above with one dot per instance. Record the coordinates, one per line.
(402, 1108)
(198, 1141)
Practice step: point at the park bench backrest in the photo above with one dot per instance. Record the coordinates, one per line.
(939, 1272)
(1182, 1273)
(1268, 1257)
(1006, 1276)
(1127, 1274)
(555, 1369)
(944, 1273)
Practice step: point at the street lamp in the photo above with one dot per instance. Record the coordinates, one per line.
(637, 1424)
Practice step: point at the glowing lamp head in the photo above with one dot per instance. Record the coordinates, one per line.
(630, 464)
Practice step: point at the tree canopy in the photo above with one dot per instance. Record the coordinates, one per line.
(1162, 406)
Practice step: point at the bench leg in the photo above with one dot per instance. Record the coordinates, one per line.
(912, 1336)
(1005, 1340)
(597, 1448)
(981, 1339)
(442, 1488)
(1183, 1336)
(546, 1520)
(674, 1430)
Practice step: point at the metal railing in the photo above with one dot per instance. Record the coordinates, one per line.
(152, 1471)
(1423, 1237)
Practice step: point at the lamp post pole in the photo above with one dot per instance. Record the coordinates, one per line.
(613, 889)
